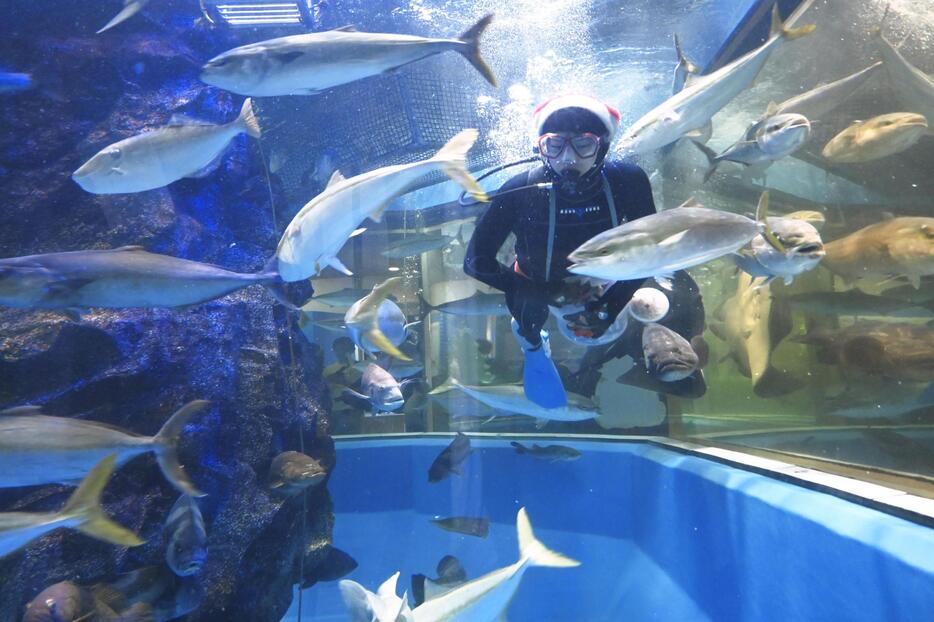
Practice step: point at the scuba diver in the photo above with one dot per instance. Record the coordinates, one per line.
(552, 209)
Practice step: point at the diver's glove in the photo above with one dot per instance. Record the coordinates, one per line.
(590, 322)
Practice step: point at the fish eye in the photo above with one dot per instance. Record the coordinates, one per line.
(114, 153)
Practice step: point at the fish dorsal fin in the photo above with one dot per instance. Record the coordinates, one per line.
(128, 249)
(346, 28)
(692, 202)
(183, 119)
(336, 178)
(771, 109)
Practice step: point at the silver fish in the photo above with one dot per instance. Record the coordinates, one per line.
(310, 63)
(342, 297)
(186, 549)
(510, 399)
(293, 471)
(662, 243)
(119, 278)
(418, 244)
(551, 453)
(803, 246)
(486, 598)
(819, 101)
(319, 230)
(157, 158)
(130, 8)
(766, 140)
(39, 449)
(380, 389)
(703, 96)
(382, 606)
(477, 304)
(392, 324)
(913, 87)
(82, 512)
(879, 137)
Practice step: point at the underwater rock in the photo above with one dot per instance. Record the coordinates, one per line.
(132, 367)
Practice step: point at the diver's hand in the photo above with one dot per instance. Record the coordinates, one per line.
(576, 293)
(589, 323)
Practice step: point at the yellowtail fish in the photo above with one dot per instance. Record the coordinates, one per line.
(160, 157)
(82, 512)
(362, 319)
(879, 137)
(39, 449)
(319, 230)
(310, 63)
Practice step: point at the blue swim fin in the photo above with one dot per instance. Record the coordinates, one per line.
(540, 378)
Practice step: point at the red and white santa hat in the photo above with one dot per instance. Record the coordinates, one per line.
(607, 115)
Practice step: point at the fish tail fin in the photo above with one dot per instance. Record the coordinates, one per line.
(778, 29)
(129, 10)
(453, 160)
(689, 66)
(712, 161)
(272, 281)
(520, 448)
(85, 505)
(445, 386)
(536, 552)
(471, 49)
(166, 442)
(762, 217)
(425, 307)
(381, 341)
(356, 599)
(248, 119)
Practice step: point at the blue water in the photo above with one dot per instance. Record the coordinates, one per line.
(661, 536)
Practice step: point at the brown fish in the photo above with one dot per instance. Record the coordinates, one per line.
(292, 472)
(898, 351)
(879, 137)
(900, 247)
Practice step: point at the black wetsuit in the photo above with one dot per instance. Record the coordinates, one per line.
(579, 216)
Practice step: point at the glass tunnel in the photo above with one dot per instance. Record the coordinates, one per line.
(439, 310)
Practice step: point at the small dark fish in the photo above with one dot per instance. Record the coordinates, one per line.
(450, 459)
(187, 541)
(336, 565)
(467, 525)
(551, 453)
(451, 573)
(292, 472)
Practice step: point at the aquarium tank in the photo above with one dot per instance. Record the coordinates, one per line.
(452, 310)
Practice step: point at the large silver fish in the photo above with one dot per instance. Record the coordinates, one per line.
(380, 389)
(660, 244)
(310, 63)
(752, 327)
(817, 102)
(82, 512)
(39, 449)
(119, 278)
(157, 158)
(319, 230)
(391, 321)
(477, 304)
(510, 399)
(486, 598)
(766, 140)
(803, 246)
(130, 8)
(876, 138)
(913, 87)
(186, 547)
(703, 96)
